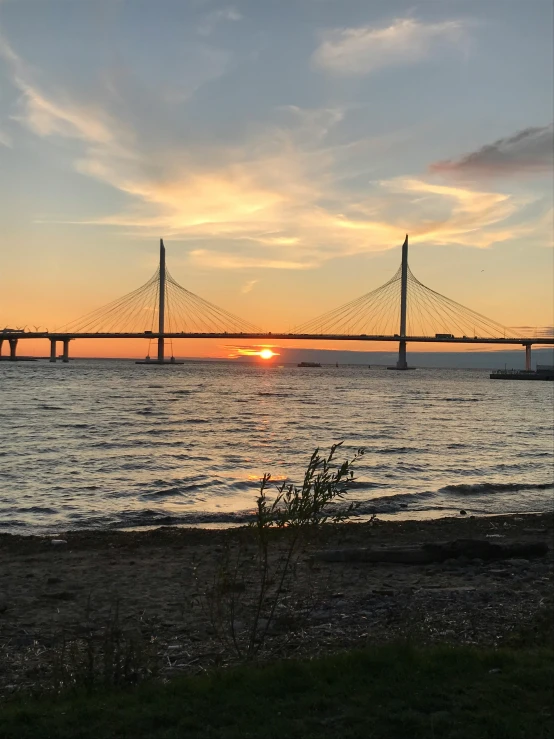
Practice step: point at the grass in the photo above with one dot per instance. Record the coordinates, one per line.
(386, 692)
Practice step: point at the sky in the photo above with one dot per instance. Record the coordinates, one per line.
(282, 149)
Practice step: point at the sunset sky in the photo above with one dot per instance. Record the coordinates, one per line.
(282, 149)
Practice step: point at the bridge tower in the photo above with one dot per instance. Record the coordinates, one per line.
(402, 363)
(161, 305)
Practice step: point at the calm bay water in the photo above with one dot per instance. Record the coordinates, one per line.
(111, 443)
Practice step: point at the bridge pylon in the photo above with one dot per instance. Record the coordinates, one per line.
(161, 305)
(402, 363)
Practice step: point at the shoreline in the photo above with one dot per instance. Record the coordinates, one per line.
(156, 579)
(385, 526)
(404, 515)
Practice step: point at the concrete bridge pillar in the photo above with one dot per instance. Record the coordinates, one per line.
(402, 363)
(65, 350)
(13, 349)
(527, 357)
(52, 350)
(1, 343)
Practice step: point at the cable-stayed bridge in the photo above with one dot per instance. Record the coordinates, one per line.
(402, 310)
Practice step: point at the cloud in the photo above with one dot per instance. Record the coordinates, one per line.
(48, 115)
(247, 287)
(218, 260)
(277, 200)
(457, 215)
(363, 50)
(530, 150)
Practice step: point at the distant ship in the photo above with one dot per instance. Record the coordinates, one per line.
(543, 372)
(309, 364)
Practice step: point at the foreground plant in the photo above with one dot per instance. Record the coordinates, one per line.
(243, 616)
(113, 655)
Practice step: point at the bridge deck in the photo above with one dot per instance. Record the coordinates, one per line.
(280, 336)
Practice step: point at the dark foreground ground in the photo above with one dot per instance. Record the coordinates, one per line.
(383, 692)
(52, 597)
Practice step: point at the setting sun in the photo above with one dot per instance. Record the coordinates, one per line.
(267, 354)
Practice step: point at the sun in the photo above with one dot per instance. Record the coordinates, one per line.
(267, 354)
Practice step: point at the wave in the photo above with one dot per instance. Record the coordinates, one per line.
(479, 488)
(36, 509)
(462, 400)
(178, 490)
(393, 503)
(362, 485)
(140, 519)
(397, 450)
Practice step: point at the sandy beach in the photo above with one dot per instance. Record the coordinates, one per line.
(157, 581)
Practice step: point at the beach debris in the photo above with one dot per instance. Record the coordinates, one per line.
(58, 542)
(439, 552)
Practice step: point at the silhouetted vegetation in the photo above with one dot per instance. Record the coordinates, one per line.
(243, 613)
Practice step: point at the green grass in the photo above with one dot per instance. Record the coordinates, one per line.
(390, 692)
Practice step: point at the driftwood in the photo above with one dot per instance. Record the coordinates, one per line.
(440, 552)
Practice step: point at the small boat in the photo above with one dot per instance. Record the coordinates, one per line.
(309, 364)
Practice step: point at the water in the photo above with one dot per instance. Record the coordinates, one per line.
(114, 444)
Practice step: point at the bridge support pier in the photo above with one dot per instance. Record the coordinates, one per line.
(1, 343)
(52, 350)
(527, 357)
(402, 363)
(65, 357)
(13, 349)
(160, 350)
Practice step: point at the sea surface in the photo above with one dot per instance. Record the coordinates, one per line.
(97, 444)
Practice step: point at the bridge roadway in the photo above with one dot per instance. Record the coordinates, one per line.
(13, 337)
(55, 336)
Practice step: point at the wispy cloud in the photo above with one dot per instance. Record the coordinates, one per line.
(274, 201)
(530, 150)
(219, 260)
(247, 287)
(365, 49)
